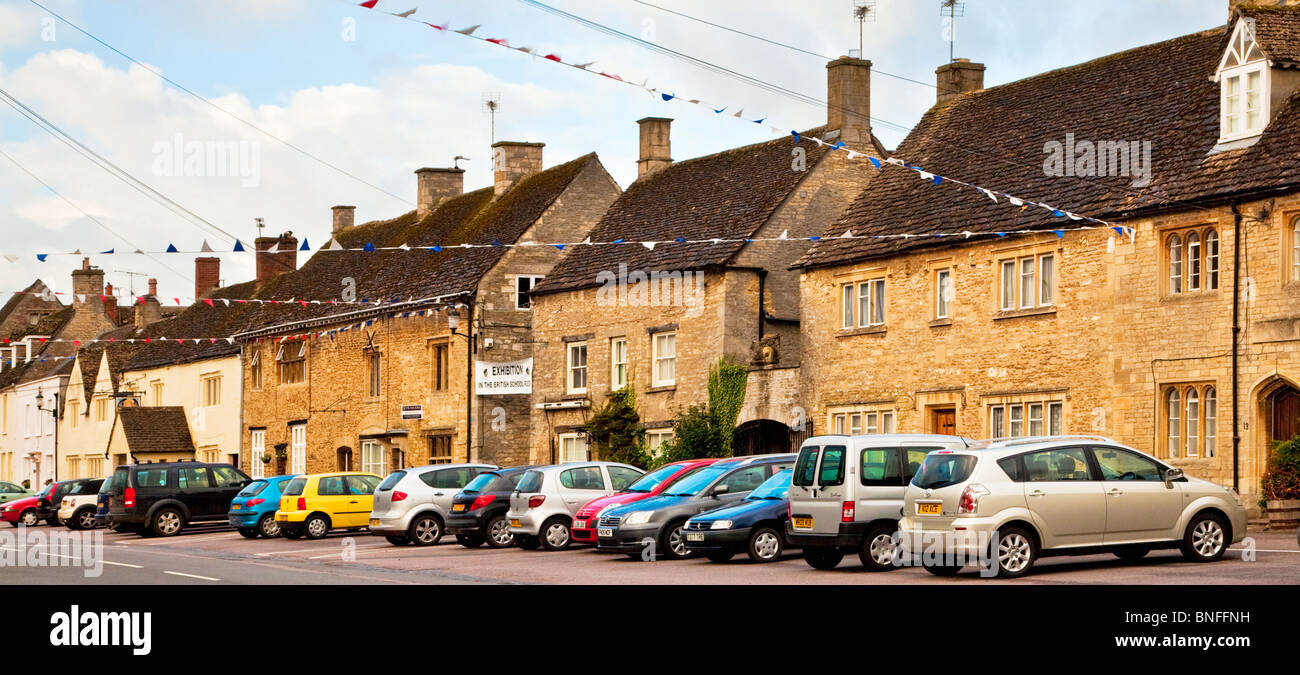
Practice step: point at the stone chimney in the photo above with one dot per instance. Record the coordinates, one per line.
(110, 305)
(344, 217)
(87, 281)
(512, 161)
(284, 258)
(848, 100)
(207, 275)
(434, 186)
(957, 78)
(148, 310)
(656, 145)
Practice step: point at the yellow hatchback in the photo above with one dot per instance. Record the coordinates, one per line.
(314, 504)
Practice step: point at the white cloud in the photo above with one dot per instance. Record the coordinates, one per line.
(20, 25)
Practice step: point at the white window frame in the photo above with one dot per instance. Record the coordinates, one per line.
(572, 441)
(657, 341)
(656, 438)
(209, 382)
(571, 369)
(532, 283)
(297, 448)
(257, 448)
(1241, 111)
(863, 303)
(1210, 403)
(854, 421)
(942, 287)
(1173, 422)
(617, 363)
(374, 459)
(1022, 273)
(1192, 415)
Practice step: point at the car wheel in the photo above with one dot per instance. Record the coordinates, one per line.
(248, 532)
(555, 535)
(1016, 552)
(527, 542)
(498, 533)
(316, 526)
(166, 523)
(470, 540)
(83, 520)
(878, 549)
(425, 530)
(290, 533)
(673, 541)
(1132, 553)
(28, 518)
(1206, 538)
(268, 526)
(765, 545)
(823, 558)
(720, 556)
(942, 570)
(399, 540)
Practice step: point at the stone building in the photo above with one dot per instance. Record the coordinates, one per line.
(378, 387)
(658, 317)
(1178, 335)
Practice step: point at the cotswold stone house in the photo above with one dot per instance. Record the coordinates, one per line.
(657, 318)
(379, 387)
(1182, 340)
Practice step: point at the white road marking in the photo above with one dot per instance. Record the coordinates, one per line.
(192, 576)
(182, 539)
(308, 550)
(118, 564)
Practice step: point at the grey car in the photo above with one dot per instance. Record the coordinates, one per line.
(546, 499)
(411, 505)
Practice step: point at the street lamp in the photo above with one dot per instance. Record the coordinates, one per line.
(54, 412)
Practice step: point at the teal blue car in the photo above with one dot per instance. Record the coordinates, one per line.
(10, 492)
(252, 511)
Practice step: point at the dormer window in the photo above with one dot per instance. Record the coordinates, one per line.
(1243, 78)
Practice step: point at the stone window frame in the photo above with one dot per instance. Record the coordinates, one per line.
(440, 365)
(290, 365)
(840, 419)
(1016, 258)
(1200, 256)
(1290, 248)
(440, 447)
(374, 372)
(1177, 419)
(569, 367)
(206, 382)
(533, 279)
(571, 436)
(255, 373)
(1001, 411)
(851, 296)
(614, 383)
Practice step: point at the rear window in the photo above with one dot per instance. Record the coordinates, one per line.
(295, 487)
(255, 488)
(832, 468)
(115, 483)
(805, 468)
(480, 483)
(531, 482)
(939, 471)
(1011, 465)
(448, 479)
(88, 487)
(392, 480)
(150, 478)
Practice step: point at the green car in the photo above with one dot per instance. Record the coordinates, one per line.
(10, 492)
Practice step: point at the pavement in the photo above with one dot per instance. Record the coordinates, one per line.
(222, 556)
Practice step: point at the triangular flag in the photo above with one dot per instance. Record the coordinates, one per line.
(369, 4)
(205, 248)
(171, 248)
(334, 245)
(239, 246)
(304, 246)
(650, 245)
(470, 30)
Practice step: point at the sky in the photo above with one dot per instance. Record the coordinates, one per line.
(377, 97)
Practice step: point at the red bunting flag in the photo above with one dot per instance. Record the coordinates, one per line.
(370, 4)
(209, 302)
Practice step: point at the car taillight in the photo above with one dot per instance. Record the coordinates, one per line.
(483, 500)
(536, 501)
(128, 497)
(398, 495)
(302, 503)
(847, 512)
(254, 502)
(970, 498)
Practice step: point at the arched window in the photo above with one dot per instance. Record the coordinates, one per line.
(1295, 250)
(1175, 264)
(1172, 410)
(1211, 420)
(1193, 262)
(1193, 423)
(1212, 260)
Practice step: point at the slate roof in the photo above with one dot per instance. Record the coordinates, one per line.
(1277, 30)
(729, 194)
(196, 321)
(118, 354)
(36, 369)
(162, 429)
(17, 298)
(995, 138)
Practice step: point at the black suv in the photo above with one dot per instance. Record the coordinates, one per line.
(161, 498)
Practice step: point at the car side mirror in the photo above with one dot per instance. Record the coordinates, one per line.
(1171, 475)
(721, 490)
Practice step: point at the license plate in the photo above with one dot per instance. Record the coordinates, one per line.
(515, 523)
(374, 522)
(929, 509)
(803, 523)
(458, 507)
(694, 536)
(234, 507)
(605, 532)
(580, 524)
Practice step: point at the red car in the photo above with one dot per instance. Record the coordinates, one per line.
(649, 485)
(20, 511)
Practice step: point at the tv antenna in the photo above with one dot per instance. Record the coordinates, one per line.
(261, 225)
(455, 162)
(952, 9)
(131, 280)
(491, 104)
(864, 11)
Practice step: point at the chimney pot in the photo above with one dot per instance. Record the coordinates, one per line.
(656, 145)
(848, 100)
(512, 161)
(434, 186)
(88, 282)
(207, 275)
(957, 78)
(344, 217)
(153, 287)
(271, 264)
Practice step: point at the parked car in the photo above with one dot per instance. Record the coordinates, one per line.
(478, 512)
(77, 508)
(1027, 498)
(649, 485)
(756, 525)
(314, 504)
(252, 511)
(412, 505)
(661, 519)
(12, 491)
(113, 484)
(20, 512)
(846, 494)
(48, 501)
(162, 498)
(543, 504)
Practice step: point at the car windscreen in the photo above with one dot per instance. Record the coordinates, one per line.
(255, 488)
(391, 481)
(531, 482)
(85, 487)
(940, 471)
(295, 487)
(115, 483)
(654, 479)
(776, 487)
(692, 485)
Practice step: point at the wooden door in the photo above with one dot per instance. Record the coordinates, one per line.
(945, 421)
(1286, 415)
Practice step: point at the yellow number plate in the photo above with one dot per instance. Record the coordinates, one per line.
(234, 507)
(929, 509)
(515, 523)
(458, 507)
(803, 523)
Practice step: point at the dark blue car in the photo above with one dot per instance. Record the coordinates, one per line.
(252, 511)
(755, 525)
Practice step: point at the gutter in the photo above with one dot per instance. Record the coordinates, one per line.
(1236, 335)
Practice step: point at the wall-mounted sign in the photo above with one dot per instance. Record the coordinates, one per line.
(412, 412)
(511, 377)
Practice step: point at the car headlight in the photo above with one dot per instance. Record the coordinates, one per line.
(604, 508)
(9, 508)
(721, 525)
(639, 518)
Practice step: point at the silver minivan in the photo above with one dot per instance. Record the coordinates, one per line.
(411, 505)
(546, 499)
(846, 494)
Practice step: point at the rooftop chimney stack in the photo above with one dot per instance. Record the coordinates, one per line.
(848, 100)
(344, 218)
(957, 78)
(110, 305)
(512, 161)
(87, 284)
(153, 288)
(656, 145)
(207, 275)
(275, 256)
(434, 186)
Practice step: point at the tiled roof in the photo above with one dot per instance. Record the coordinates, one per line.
(118, 354)
(1277, 29)
(725, 195)
(995, 138)
(196, 321)
(163, 429)
(36, 369)
(17, 298)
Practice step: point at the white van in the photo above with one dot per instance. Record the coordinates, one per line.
(846, 494)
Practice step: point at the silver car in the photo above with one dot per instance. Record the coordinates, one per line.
(546, 499)
(1004, 504)
(411, 505)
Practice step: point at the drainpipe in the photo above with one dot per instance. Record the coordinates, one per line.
(1236, 332)
(762, 288)
(471, 338)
